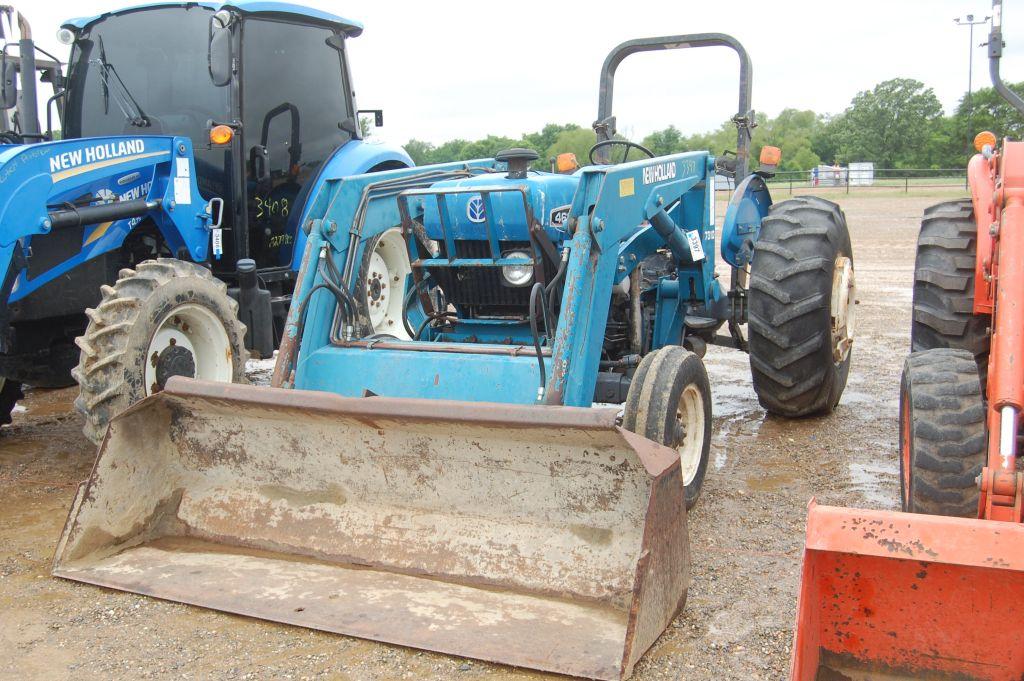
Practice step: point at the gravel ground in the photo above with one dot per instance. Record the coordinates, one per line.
(746, 533)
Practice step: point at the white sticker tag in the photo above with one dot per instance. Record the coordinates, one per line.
(696, 248)
(182, 191)
(218, 243)
(183, 168)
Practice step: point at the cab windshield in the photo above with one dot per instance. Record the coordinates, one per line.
(151, 62)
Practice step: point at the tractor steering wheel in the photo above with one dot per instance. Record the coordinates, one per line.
(625, 143)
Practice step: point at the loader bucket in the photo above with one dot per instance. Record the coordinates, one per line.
(888, 595)
(542, 537)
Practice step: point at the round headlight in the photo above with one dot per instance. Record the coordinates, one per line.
(518, 275)
(65, 36)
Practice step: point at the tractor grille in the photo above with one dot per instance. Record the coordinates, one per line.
(482, 291)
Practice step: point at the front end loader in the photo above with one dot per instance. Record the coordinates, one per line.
(458, 482)
(938, 590)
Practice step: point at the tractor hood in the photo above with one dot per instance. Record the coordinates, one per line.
(546, 196)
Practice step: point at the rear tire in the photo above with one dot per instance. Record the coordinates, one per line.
(943, 312)
(942, 433)
(10, 393)
(167, 318)
(669, 401)
(801, 307)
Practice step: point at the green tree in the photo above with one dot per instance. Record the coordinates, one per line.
(988, 111)
(420, 151)
(577, 141)
(542, 140)
(664, 142)
(890, 125)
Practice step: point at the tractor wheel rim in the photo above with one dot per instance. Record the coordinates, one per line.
(690, 423)
(843, 316)
(197, 331)
(905, 451)
(385, 284)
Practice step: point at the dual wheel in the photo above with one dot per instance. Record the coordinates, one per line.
(943, 436)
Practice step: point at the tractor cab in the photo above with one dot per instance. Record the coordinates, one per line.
(264, 94)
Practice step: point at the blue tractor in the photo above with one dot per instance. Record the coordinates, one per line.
(592, 286)
(453, 481)
(250, 102)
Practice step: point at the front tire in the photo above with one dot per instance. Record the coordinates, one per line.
(10, 393)
(801, 307)
(167, 318)
(669, 401)
(942, 433)
(943, 312)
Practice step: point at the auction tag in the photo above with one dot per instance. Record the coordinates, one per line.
(218, 243)
(182, 191)
(696, 248)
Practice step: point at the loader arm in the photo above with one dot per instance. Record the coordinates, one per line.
(93, 182)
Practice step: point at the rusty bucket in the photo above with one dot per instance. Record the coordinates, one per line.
(888, 595)
(542, 537)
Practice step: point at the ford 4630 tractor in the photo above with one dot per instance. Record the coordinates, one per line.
(250, 101)
(449, 483)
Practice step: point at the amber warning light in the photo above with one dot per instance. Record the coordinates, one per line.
(221, 134)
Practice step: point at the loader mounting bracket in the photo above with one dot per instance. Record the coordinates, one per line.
(1002, 495)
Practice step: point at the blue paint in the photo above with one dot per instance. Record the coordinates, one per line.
(347, 26)
(35, 176)
(748, 205)
(411, 373)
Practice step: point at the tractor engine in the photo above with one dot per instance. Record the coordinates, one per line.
(518, 218)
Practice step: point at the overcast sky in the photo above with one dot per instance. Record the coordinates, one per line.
(470, 68)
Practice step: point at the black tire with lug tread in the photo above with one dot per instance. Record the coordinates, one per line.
(10, 393)
(112, 366)
(669, 401)
(943, 312)
(942, 433)
(790, 323)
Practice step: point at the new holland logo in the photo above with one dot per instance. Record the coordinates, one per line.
(659, 173)
(475, 210)
(99, 152)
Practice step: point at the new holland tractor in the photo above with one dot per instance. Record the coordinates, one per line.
(263, 95)
(450, 483)
(937, 591)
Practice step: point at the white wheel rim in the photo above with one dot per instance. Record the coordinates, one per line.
(844, 294)
(690, 418)
(385, 284)
(198, 330)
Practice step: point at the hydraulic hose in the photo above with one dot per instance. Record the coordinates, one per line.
(537, 292)
(552, 288)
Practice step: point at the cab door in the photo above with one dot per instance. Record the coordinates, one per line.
(295, 96)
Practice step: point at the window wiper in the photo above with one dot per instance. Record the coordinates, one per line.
(122, 97)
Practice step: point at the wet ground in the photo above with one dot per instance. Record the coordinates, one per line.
(746, 533)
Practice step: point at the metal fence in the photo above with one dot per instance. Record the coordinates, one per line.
(892, 179)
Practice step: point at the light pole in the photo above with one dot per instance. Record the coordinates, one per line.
(970, 23)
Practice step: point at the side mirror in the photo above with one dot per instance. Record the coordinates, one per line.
(378, 116)
(219, 52)
(9, 85)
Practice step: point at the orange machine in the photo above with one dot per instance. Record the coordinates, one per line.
(937, 592)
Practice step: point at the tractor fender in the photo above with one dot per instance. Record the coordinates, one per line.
(747, 207)
(352, 158)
